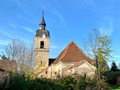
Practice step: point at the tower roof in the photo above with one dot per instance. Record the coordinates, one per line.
(72, 53)
(42, 30)
(43, 20)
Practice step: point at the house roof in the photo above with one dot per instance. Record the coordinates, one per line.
(72, 53)
(8, 65)
(2, 69)
(51, 60)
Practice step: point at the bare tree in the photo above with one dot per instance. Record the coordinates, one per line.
(98, 46)
(91, 44)
(22, 52)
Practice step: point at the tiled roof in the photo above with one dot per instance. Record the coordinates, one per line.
(72, 53)
(8, 65)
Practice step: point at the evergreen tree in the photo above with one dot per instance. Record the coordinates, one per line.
(114, 67)
(3, 57)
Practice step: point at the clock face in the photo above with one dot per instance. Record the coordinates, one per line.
(41, 27)
(43, 36)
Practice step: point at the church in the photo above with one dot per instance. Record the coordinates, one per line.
(72, 60)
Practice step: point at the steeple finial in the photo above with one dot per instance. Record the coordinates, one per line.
(43, 12)
(42, 23)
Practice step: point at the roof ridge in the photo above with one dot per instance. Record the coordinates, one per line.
(59, 56)
(82, 52)
(72, 53)
(67, 50)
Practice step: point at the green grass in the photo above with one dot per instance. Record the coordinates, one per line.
(115, 87)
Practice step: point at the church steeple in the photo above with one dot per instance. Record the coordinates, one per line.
(41, 48)
(42, 23)
(42, 29)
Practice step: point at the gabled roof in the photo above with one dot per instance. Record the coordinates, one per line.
(72, 53)
(8, 65)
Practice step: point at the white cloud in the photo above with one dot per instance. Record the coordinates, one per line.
(60, 17)
(6, 32)
(53, 47)
(105, 31)
(9, 31)
(116, 56)
(108, 26)
(57, 13)
(4, 42)
(28, 14)
(28, 29)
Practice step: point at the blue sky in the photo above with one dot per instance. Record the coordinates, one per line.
(67, 20)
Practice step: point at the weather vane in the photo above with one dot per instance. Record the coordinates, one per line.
(43, 5)
(43, 8)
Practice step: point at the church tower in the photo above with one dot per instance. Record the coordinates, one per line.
(41, 48)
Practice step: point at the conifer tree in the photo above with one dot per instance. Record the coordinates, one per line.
(114, 67)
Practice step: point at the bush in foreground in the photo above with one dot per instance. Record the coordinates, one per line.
(20, 82)
(112, 77)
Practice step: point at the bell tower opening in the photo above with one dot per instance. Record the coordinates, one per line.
(42, 44)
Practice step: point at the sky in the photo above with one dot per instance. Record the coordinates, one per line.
(66, 20)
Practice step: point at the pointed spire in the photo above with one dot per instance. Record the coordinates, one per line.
(42, 23)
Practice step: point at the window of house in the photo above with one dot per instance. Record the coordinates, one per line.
(41, 75)
(46, 72)
(41, 44)
(41, 62)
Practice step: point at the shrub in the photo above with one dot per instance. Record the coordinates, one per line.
(67, 83)
(21, 82)
(112, 77)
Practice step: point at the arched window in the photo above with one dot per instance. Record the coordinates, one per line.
(41, 44)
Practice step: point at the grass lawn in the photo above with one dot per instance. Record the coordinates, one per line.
(115, 87)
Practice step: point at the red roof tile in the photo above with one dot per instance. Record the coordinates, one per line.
(72, 53)
(8, 65)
